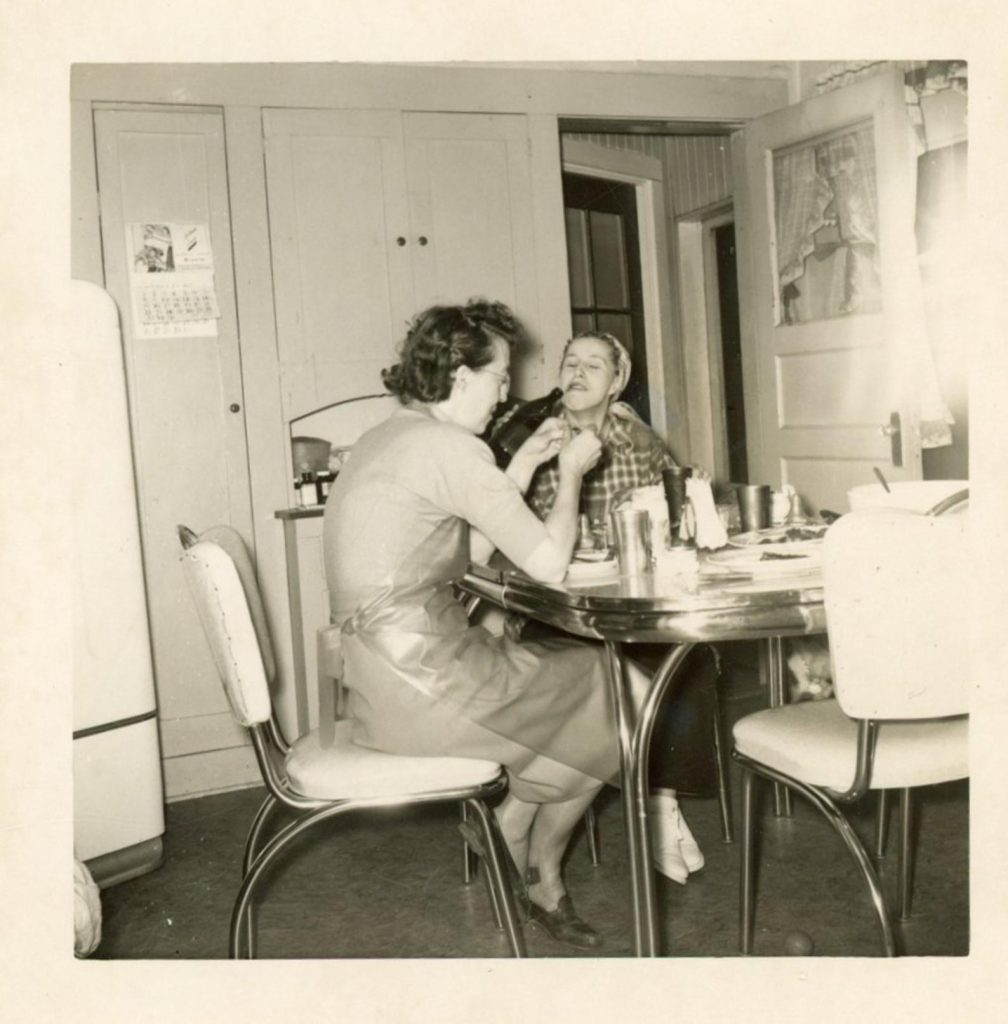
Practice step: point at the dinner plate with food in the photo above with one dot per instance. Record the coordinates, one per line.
(763, 561)
(789, 540)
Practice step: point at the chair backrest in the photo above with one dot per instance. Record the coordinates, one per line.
(896, 588)
(228, 538)
(224, 611)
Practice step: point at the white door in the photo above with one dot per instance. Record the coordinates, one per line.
(828, 291)
(470, 200)
(186, 417)
(341, 250)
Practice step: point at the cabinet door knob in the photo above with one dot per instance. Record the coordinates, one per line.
(234, 407)
(422, 239)
(400, 240)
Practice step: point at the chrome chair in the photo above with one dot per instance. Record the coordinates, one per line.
(896, 589)
(313, 781)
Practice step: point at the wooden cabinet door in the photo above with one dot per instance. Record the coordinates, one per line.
(186, 418)
(823, 383)
(342, 282)
(470, 209)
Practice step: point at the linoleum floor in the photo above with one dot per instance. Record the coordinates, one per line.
(389, 885)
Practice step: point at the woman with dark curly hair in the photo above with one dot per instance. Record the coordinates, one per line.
(419, 497)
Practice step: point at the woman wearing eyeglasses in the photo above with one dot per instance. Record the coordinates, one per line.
(419, 498)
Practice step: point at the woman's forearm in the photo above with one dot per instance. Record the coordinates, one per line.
(480, 547)
(562, 520)
(520, 470)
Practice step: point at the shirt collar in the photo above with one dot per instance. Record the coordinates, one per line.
(615, 432)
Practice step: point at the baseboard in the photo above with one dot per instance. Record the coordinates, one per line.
(130, 862)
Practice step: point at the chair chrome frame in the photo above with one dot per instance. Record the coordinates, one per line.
(825, 801)
(270, 751)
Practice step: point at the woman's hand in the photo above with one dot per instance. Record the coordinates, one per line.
(537, 448)
(542, 445)
(580, 452)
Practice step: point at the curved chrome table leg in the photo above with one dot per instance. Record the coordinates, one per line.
(634, 739)
(624, 744)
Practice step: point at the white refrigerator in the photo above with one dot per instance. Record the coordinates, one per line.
(118, 793)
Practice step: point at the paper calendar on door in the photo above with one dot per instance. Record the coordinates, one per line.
(172, 281)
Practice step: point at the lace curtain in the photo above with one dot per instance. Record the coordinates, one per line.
(827, 185)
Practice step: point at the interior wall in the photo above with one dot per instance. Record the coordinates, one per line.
(697, 168)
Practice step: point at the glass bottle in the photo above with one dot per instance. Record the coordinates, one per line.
(513, 433)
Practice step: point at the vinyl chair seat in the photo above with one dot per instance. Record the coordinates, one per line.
(344, 770)
(816, 743)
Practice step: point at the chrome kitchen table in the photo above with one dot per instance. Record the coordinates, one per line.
(674, 609)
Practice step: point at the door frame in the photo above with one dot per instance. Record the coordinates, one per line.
(666, 377)
(700, 321)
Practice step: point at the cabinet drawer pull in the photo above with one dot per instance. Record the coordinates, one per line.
(422, 239)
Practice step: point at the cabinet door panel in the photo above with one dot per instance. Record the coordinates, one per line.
(343, 291)
(470, 197)
(189, 448)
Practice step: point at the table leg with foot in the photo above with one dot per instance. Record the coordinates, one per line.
(634, 741)
(772, 669)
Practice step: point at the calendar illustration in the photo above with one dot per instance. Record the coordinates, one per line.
(172, 281)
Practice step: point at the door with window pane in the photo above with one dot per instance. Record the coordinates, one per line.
(603, 258)
(830, 298)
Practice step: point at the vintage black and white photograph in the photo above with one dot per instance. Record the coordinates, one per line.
(520, 508)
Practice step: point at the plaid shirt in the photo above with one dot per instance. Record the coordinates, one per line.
(633, 455)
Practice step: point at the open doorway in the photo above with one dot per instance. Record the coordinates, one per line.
(603, 251)
(725, 279)
(681, 179)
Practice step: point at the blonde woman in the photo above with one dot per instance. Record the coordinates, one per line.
(594, 370)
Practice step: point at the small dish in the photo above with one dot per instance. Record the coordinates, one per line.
(579, 572)
(592, 555)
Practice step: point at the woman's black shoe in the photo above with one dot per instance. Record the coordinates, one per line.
(564, 925)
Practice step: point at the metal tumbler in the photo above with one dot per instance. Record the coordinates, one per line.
(754, 506)
(632, 529)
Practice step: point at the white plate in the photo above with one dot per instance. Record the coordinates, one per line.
(580, 572)
(750, 561)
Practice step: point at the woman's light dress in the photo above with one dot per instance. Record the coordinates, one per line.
(420, 678)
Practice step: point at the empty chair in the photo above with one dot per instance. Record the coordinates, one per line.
(313, 781)
(896, 590)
